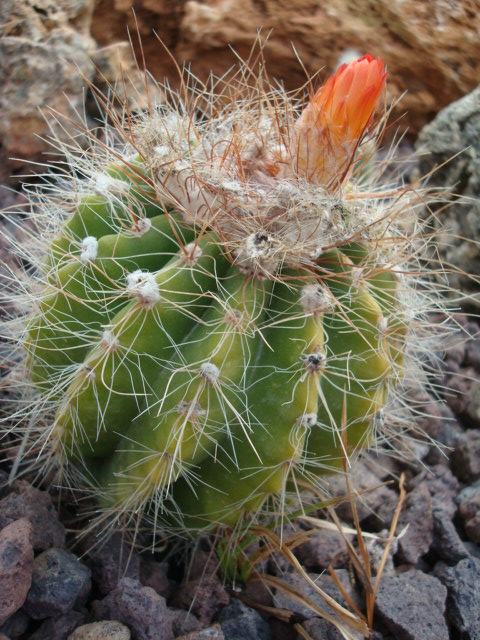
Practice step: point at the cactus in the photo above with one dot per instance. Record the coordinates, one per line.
(224, 306)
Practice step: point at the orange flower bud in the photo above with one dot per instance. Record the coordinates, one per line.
(331, 127)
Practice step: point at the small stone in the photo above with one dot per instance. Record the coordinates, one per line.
(138, 607)
(59, 628)
(111, 562)
(104, 630)
(183, 622)
(154, 575)
(418, 515)
(16, 566)
(203, 596)
(412, 606)
(472, 411)
(469, 510)
(323, 548)
(443, 487)
(59, 583)
(25, 501)
(446, 541)
(211, 633)
(325, 582)
(466, 457)
(240, 622)
(16, 625)
(320, 629)
(376, 505)
(463, 584)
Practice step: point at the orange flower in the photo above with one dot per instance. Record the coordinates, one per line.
(331, 127)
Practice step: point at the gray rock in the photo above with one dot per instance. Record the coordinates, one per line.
(418, 515)
(59, 583)
(446, 541)
(16, 625)
(111, 561)
(183, 622)
(104, 630)
(456, 130)
(463, 603)
(466, 457)
(320, 629)
(412, 606)
(59, 628)
(469, 510)
(16, 566)
(377, 505)
(25, 501)
(443, 486)
(324, 581)
(323, 548)
(240, 622)
(138, 607)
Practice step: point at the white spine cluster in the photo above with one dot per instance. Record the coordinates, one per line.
(143, 286)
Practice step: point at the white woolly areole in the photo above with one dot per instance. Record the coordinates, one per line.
(315, 298)
(107, 184)
(308, 420)
(109, 339)
(143, 225)
(191, 253)
(90, 249)
(209, 371)
(142, 285)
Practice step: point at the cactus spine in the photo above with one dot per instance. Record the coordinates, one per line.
(227, 309)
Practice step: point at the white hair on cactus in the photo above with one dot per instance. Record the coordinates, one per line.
(315, 298)
(209, 372)
(142, 285)
(89, 249)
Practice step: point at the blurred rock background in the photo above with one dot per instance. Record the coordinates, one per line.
(51, 49)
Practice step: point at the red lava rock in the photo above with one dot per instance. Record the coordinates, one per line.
(59, 583)
(16, 566)
(183, 622)
(25, 501)
(202, 596)
(154, 574)
(418, 515)
(58, 628)
(140, 608)
(111, 562)
(443, 487)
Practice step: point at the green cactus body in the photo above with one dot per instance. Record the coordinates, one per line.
(197, 397)
(88, 293)
(229, 314)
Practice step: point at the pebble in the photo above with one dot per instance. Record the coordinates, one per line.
(138, 607)
(104, 630)
(323, 548)
(412, 606)
(469, 509)
(446, 542)
(16, 625)
(16, 566)
(202, 596)
(111, 561)
(210, 633)
(466, 457)
(25, 501)
(240, 622)
(58, 628)
(463, 604)
(320, 629)
(442, 485)
(59, 583)
(417, 513)
(183, 622)
(154, 574)
(378, 506)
